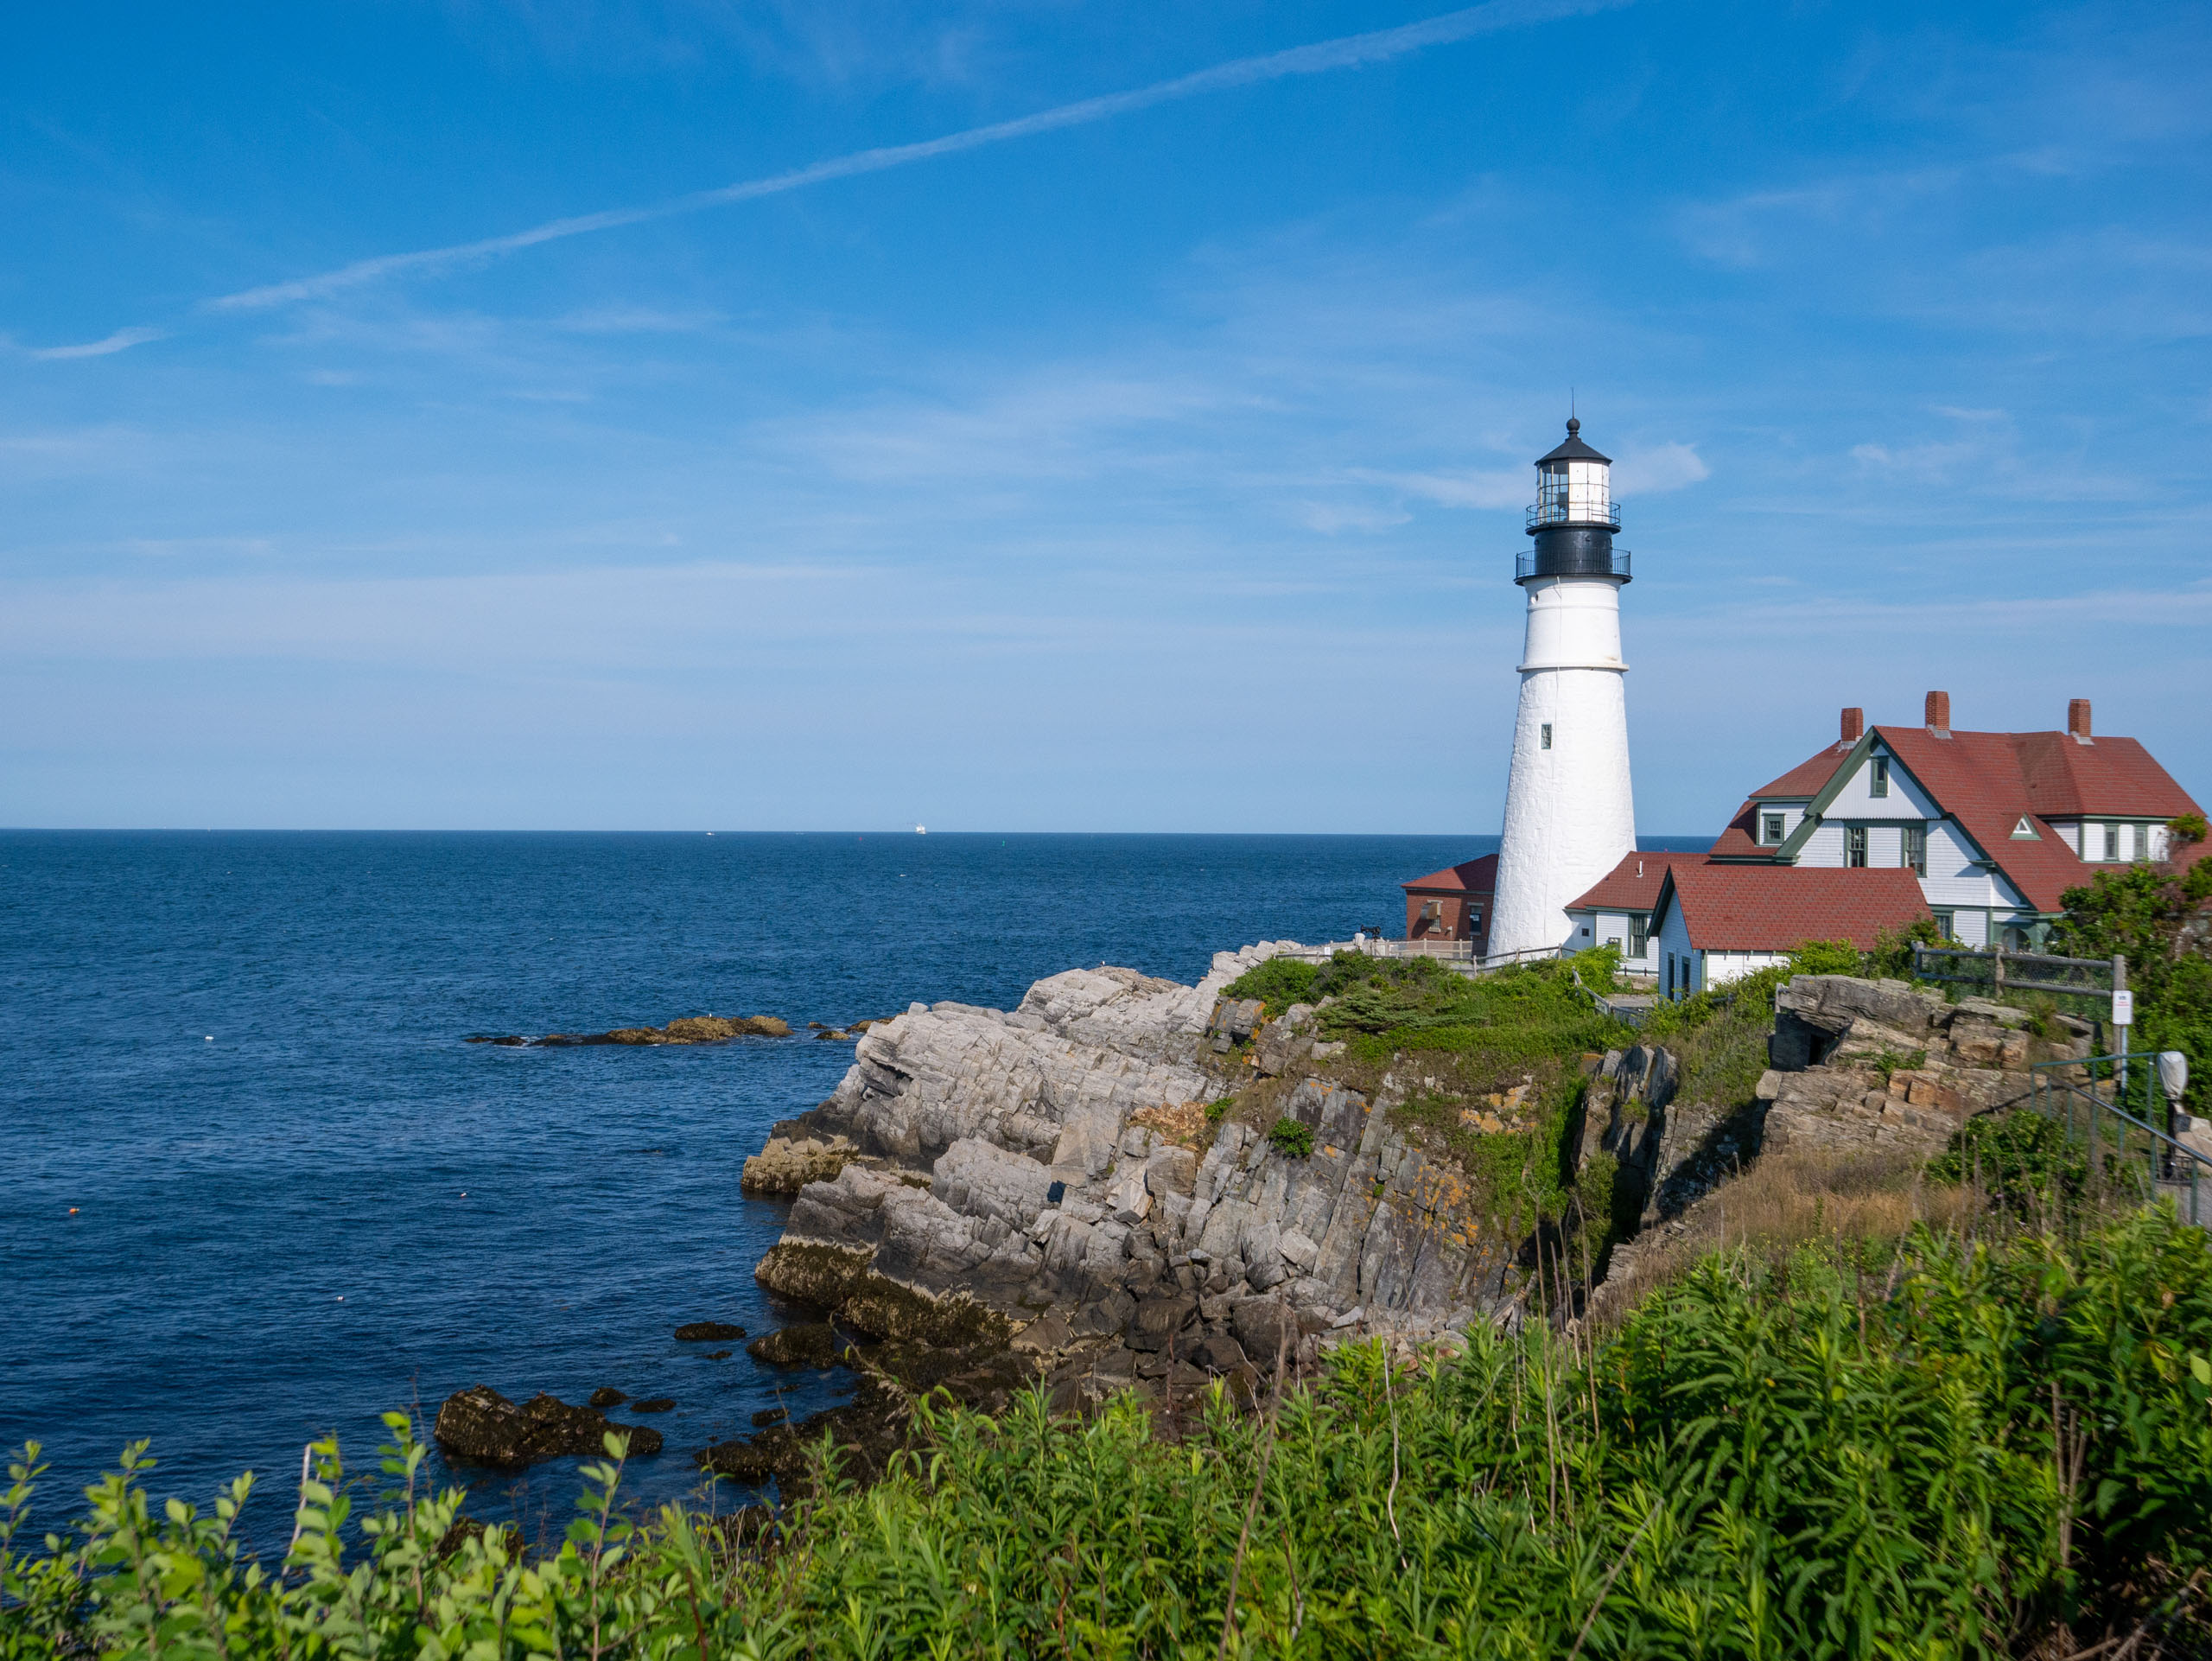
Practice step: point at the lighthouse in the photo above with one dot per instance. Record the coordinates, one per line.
(1570, 816)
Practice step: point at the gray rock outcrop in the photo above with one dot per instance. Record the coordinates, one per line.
(1000, 1166)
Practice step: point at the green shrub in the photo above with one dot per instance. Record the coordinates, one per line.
(1219, 1111)
(1291, 1139)
(1278, 983)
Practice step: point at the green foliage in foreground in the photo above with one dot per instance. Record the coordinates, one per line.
(1968, 1450)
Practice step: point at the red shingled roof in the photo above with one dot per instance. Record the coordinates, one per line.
(1475, 876)
(1778, 908)
(1986, 781)
(1632, 885)
(1805, 779)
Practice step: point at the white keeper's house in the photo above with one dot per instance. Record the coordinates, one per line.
(1981, 831)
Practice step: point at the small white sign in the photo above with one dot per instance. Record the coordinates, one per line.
(2123, 1008)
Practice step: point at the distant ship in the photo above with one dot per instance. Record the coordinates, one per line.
(921, 830)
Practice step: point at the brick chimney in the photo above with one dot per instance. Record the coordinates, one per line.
(2077, 719)
(1939, 713)
(1855, 725)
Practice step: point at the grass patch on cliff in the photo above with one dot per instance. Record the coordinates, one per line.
(1976, 1449)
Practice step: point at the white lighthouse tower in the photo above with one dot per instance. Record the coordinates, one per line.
(1569, 814)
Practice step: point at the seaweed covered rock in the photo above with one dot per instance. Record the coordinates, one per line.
(788, 1164)
(708, 1332)
(813, 1344)
(478, 1426)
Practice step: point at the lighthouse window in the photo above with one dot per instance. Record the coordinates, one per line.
(1548, 736)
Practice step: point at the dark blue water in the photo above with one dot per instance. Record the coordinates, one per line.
(259, 1190)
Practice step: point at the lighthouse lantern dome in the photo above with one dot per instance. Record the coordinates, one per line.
(1574, 515)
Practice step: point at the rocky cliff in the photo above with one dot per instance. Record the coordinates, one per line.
(1055, 1164)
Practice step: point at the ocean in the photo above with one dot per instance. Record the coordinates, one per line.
(263, 1190)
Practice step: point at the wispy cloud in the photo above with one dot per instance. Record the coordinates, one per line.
(1649, 470)
(121, 340)
(1346, 51)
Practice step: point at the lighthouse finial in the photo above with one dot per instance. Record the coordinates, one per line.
(1573, 426)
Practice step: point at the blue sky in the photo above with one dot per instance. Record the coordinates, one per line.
(1150, 462)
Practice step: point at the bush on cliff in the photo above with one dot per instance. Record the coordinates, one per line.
(1278, 983)
(1967, 1449)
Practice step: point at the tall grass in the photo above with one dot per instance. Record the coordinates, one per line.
(1953, 1447)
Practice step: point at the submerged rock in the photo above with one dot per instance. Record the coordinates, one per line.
(704, 1331)
(685, 1030)
(478, 1426)
(608, 1396)
(813, 1345)
(653, 1404)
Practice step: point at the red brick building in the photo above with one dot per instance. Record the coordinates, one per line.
(1453, 904)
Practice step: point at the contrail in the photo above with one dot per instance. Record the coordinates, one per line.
(1347, 52)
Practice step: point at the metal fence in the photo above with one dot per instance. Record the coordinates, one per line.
(2018, 971)
(2126, 1154)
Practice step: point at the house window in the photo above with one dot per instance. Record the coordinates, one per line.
(1854, 846)
(2137, 842)
(2112, 842)
(1945, 929)
(1770, 828)
(1915, 848)
(1639, 936)
(1670, 974)
(1878, 783)
(1548, 736)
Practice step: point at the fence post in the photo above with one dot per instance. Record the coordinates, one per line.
(2118, 985)
(1999, 970)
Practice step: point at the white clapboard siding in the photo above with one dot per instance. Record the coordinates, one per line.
(1824, 846)
(1953, 879)
(1906, 800)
